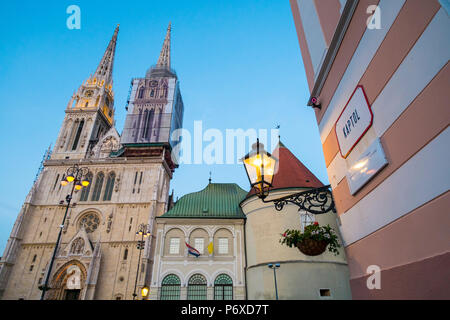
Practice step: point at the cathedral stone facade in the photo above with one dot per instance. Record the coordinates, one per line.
(97, 256)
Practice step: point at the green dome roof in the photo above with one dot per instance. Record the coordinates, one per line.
(217, 200)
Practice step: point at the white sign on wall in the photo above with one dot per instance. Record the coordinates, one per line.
(354, 121)
(366, 167)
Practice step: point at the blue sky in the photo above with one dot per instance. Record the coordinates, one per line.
(238, 62)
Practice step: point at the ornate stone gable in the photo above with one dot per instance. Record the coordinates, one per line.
(80, 245)
(110, 142)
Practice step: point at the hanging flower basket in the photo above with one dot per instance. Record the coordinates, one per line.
(313, 240)
(311, 247)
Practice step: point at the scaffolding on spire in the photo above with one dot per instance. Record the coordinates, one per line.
(46, 157)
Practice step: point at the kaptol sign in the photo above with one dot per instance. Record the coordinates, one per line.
(354, 121)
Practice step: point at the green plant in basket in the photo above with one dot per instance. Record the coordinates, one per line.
(313, 240)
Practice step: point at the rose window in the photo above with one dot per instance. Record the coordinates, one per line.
(90, 222)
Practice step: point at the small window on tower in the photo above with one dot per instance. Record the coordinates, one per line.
(135, 180)
(140, 181)
(141, 93)
(78, 134)
(56, 181)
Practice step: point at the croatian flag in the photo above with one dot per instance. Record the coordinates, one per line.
(192, 250)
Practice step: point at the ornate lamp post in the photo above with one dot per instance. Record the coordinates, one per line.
(143, 232)
(274, 267)
(77, 175)
(260, 168)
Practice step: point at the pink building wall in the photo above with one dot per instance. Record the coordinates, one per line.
(399, 220)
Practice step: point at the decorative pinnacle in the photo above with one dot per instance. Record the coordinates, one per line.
(164, 56)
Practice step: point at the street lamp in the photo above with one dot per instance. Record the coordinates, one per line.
(79, 177)
(260, 168)
(274, 267)
(144, 292)
(143, 231)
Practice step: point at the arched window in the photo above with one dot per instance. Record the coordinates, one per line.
(141, 93)
(125, 254)
(34, 258)
(77, 137)
(85, 191)
(145, 123)
(109, 186)
(170, 288)
(98, 187)
(149, 125)
(197, 288)
(223, 288)
(158, 125)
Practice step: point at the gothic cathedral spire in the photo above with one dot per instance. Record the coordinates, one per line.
(164, 56)
(105, 67)
(155, 109)
(90, 111)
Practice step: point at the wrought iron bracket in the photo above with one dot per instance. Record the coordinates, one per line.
(315, 201)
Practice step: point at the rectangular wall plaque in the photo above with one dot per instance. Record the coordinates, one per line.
(354, 121)
(366, 167)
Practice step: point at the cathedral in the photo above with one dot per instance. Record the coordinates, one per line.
(129, 178)
(120, 232)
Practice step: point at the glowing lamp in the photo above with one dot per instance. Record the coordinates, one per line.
(64, 182)
(260, 168)
(144, 292)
